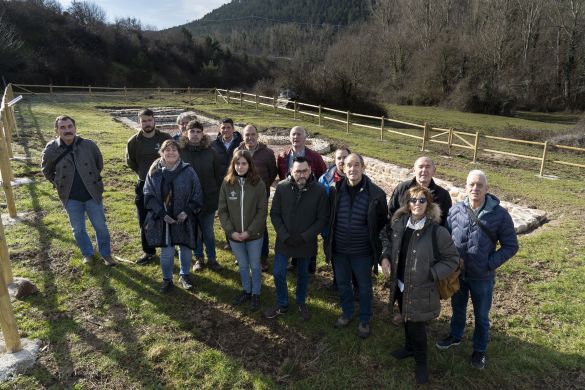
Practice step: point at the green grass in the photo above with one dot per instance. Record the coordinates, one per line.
(110, 328)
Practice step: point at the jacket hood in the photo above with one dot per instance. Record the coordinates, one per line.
(204, 144)
(433, 213)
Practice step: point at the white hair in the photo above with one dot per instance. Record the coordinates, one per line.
(479, 173)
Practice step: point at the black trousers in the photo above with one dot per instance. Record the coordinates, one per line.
(415, 335)
(141, 211)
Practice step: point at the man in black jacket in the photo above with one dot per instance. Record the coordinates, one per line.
(424, 170)
(300, 210)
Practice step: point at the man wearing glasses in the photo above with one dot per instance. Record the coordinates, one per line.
(300, 210)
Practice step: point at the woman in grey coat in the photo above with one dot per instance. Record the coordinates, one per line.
(408, 256)
(172, 196)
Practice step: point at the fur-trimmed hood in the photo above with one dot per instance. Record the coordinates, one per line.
(433, 212)
(204, 144)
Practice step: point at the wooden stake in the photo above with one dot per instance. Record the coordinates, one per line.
(476, 146)
(7, 320)
(544, 150)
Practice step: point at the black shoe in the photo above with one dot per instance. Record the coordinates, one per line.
(275, 311)
(255, 302)
(447, 343)
(402, 353)
(186, 282)
(478, 360)
(421, 374)
(214, 265)
(363, 330)
(243, 297)
(145, 259)
(166, 286)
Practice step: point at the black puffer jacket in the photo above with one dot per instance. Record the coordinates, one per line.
(225, 155)
(420, 300)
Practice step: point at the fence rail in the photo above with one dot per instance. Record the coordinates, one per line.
(474, 142)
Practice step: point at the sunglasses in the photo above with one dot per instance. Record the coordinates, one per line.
(419, 200)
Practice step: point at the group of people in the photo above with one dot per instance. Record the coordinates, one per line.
(418, 237)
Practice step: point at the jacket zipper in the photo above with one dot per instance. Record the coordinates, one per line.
(242, 181)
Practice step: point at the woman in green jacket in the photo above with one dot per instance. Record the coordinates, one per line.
(242, 213)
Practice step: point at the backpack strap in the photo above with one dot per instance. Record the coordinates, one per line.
(484, 228)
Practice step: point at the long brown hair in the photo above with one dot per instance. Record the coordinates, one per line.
(232, 175)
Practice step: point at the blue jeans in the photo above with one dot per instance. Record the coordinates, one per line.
(248, 256)
(167, 260)
(279, 272)
(76, 211)
(361, 267)
(481, 297)
(207, 237)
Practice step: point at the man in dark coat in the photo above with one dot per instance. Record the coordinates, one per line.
(477, 225)
(141, 151)
(226, 142)
(424, 170)
(300, 210)
(74, 165)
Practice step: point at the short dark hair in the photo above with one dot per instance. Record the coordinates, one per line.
(344, 148)
(227, 120)
(63, 118)
(146, 112)
(300, 160)
(194, 125)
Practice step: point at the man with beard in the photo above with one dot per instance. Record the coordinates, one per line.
(142, 149)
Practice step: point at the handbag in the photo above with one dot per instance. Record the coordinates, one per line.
(450, 285)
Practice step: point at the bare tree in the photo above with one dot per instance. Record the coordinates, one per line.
(87, 12)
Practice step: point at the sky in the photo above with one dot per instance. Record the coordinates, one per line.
(161, 14)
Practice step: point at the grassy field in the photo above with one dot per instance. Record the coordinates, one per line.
(110, 328)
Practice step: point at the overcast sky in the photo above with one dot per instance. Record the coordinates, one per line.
(161, 14)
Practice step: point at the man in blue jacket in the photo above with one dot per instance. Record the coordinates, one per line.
(476, 225)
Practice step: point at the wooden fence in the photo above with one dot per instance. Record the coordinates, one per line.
(474, 142)
(7, 129)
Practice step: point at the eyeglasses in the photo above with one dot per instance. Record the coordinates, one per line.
(419, 200)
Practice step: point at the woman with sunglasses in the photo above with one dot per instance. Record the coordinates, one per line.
(408, 257)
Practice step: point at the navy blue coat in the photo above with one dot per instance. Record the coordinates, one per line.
(476, 249)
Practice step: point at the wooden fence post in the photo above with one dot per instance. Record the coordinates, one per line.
(347, 127)
(51, 89)
(425, 137)
(382, 127)
(6, 173)
(543, 158)
(89, 88)
(274, 103)
(125, 94)
(159, 99)
(450, 140)
(319, 115)
(7, 133)
(7, 320)
(189, 95)
(227, 96)
(295, 110)
(476, 146)
(241, 99)
(256, 100)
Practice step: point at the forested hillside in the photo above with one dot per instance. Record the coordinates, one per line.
(42, 43)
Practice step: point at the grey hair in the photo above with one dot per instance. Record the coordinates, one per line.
(186, 116)
(476, 172)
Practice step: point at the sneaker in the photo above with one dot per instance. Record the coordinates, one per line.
(255, 302)
(186, 282)
(109, 261)
(214, 265)
(87, 259)
(402, 353)
(447, 343)
(341, 322)
(304, 311)
(145, 259)
(243, 297)
(275, 311)
(363, 330)
(166, 286)
(478, 360)
(199, 262)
